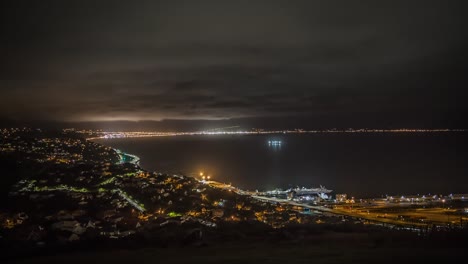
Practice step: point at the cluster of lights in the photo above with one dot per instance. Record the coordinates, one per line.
(106, 135)
(205, 177)
(274, 142)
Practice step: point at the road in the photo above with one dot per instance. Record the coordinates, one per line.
(130, 200)
(435, 215)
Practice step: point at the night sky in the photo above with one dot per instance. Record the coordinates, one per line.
(327, 63)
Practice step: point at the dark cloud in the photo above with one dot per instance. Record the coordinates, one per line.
(153, 60)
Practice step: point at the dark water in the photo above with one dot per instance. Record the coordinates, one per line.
(357, 164)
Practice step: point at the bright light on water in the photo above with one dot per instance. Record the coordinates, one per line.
(274, 142)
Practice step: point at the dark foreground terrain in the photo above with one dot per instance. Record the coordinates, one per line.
(242, 243)
(323, 248)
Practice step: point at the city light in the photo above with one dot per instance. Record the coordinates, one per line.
(119, 134)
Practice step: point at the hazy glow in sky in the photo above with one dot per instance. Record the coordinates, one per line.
(153, 60)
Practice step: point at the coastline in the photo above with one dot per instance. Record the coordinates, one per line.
(332, 208)
(127, 158)
(143, 134)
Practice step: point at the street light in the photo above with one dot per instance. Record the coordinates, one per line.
(208, 177)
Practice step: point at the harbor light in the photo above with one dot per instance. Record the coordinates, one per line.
(274, 142)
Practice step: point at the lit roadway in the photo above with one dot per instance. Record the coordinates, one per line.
(433, 215)
(263, 198)
(293, 203)
(130, 200)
